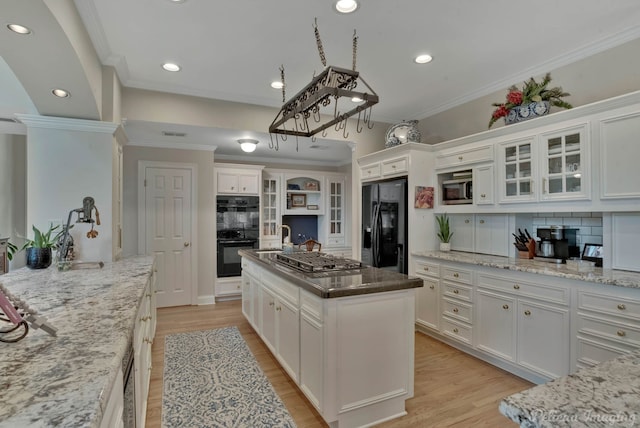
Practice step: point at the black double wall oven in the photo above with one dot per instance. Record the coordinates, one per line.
(237, 221)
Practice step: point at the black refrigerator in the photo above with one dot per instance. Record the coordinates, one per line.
(384, 225)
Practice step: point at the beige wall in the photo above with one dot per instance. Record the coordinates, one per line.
(13, 191)
(206, 223)
(607, 74)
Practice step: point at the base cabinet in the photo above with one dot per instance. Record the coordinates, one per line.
(497, 325)
(352, 357)
(143, 334)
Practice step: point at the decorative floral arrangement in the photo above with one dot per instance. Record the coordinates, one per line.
(531, 92)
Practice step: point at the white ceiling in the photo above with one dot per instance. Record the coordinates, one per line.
(233, 50)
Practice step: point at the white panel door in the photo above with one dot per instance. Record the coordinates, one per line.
(168, 232)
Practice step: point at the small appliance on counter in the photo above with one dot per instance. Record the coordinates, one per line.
(556, 244)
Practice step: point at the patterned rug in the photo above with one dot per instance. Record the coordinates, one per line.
(211, 379)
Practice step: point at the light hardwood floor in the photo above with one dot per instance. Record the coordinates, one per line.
(452, 389)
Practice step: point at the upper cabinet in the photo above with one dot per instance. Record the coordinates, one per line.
(619, 154)
(336, 200)
(550, 166)
(271, 219)
(238, 179)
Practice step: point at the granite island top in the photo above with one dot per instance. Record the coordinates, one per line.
(65, 380)
(618, 278)
(606, 395)
(341, 283)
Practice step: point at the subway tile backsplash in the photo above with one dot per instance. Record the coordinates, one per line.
(589, 225)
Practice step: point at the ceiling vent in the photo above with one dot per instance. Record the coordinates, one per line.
(318, 147)
(174, 134)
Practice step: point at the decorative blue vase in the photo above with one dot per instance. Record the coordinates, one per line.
(526, 112)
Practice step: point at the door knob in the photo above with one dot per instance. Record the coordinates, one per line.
(186, 244)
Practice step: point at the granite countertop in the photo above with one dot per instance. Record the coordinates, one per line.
(65, 380)
(602, 396)
(353, 282)
(618, 278)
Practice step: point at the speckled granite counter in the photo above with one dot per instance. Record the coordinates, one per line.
(602, 276)
(65, 380)
(337, 283)
(606, 395)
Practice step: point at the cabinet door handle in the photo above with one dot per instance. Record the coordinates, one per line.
(455, 291)
(544, 185)
(455, 310)
(527, 312)
(516, 287)
(233, 187)
(621, 333)
(455, 275)
(622, 307)
(455, 330)
(505, 306)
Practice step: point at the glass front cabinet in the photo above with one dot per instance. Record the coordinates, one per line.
(271, 192)
(545, 167)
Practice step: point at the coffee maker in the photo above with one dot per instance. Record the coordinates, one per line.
(557, 243)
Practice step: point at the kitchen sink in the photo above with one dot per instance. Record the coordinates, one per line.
(71, 265)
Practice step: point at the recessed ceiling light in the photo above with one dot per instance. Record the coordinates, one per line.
(169, 66)
(61, 93)
(423, 59)
(177, 1)
(346, 6)
(20, 29)
(277, 85)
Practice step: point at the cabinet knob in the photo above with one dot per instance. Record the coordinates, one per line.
(481, 221)
(270, 303)
(455, 310)
(393, 166)
(426, 268)
(467, 221)
(238, 286)
(505, 306)
(622, 307)
(460, 158)
(482, 195)
(455, 291)
(147, 340)
(621, 333)
(527, 312)
(233, 187)
(278, 308)
(455, 275)
(432, 286)
(516, 287)
(455, 330)
(186, 244)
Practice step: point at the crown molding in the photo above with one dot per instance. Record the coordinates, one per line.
(15, 128)
(67, 124)
(167, 145)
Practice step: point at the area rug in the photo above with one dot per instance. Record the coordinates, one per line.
(211, 379)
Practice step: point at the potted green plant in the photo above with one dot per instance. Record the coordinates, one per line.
(444, 232)
(39, 249)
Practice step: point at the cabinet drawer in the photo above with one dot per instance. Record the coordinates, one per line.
(427, 268)
(283, 289)
(311, 305)
(456, 274)
(457, 291)
(591, 352)
(544, 292)
(227, 288)
(621, 307)
(395, 166)
(335, 242)
(458, 310)
(456, 330)
(609, 330)
(464, 157)
(370, 171)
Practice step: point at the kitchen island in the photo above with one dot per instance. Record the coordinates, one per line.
(345, 337)
(68, 380)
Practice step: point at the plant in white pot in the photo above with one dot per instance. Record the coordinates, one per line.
(444, 232)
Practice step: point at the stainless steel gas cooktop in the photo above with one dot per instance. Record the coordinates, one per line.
(317, 262)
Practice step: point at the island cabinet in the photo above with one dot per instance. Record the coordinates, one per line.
(351, 356)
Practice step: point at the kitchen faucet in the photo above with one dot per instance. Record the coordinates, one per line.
(286, 239)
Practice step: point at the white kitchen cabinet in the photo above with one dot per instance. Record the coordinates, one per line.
(491, 234)
(464, 156)
(483, 185)
(565, 165)
(462, 226)
(496, 324)
(281, 323)
(271, 217)
(312, 350)
(517, 170)
(387, 168)
(114, 409)
(237, 179)
(456, 303)
(608, 325)
(551, 166)
(428, 296)
(619, 154)
(143, 334)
